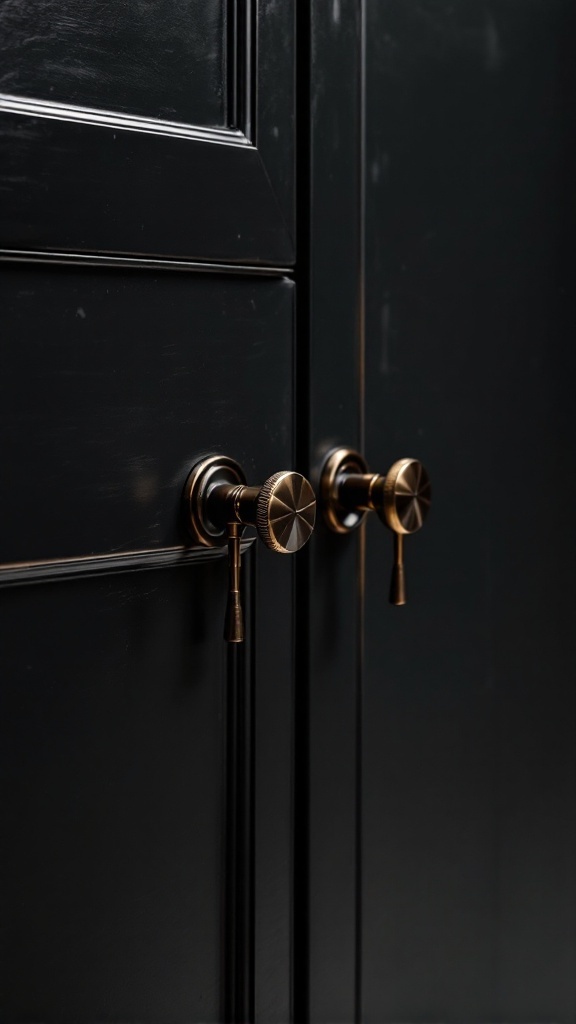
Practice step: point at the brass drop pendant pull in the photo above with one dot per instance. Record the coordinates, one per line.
(397, 584)
(234, 623)
(218, 505)
(401, 499)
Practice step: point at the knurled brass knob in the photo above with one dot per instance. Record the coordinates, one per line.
(401, 499)
(218, 505)
(285, 512)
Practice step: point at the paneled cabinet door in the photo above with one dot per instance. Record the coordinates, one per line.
(148, 321)
(439, 840)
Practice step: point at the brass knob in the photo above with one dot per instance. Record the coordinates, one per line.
(285, 512)
(218, 505)
(401, 499)
(406, 496)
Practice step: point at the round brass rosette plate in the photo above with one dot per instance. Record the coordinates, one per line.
(340, 462)
(205, 475)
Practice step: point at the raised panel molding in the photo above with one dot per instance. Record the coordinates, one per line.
(19, 573)
(122, 122)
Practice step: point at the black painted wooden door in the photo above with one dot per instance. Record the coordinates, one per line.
(439, 798)
(148, 319)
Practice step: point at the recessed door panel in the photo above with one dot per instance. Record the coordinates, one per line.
(114, 794)
(150, 130)
(138, 375)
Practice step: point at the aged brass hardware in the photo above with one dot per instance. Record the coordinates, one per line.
(218, 505)
(348, 490)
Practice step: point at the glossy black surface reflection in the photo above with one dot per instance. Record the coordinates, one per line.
(149, 59)
(107, 183)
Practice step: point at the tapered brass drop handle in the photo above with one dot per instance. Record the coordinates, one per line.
(218, 505)
(401, 499)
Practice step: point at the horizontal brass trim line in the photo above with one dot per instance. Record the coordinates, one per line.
(144, 263)
(19, 573)
(119, 121)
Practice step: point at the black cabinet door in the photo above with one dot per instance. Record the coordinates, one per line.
(469, 860)
(439, 804)
(147, 321)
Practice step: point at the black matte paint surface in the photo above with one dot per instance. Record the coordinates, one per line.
(328, 303)
(164, 59)
(73, 187)
(469, 887)
(113, 798)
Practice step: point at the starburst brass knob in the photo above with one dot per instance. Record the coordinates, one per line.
(401, 499)
(285, 512)
(406, 496)
(218, 505)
